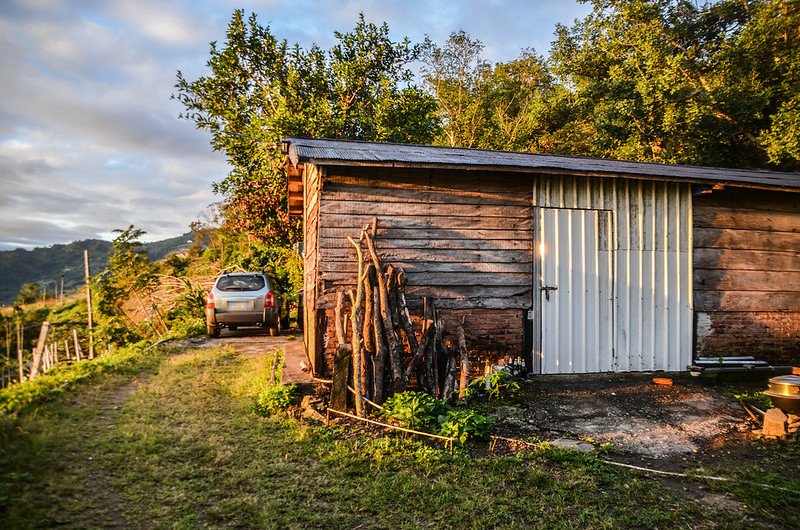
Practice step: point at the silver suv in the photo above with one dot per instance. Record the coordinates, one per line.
(243, 299)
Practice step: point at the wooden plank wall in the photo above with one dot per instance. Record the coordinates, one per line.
(747, 272)
(311, 186)
(463, 238)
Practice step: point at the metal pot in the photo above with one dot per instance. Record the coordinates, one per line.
(785, 392)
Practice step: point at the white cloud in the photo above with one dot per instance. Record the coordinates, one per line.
(89, 138)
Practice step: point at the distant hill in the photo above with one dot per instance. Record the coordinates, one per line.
(47, 264)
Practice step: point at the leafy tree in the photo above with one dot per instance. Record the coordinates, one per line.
(29, 293)
(667, 81)
(129, 272)
(261, 89)
(454, 74)
(516, 96)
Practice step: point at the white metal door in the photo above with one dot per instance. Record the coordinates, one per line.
(577, 291)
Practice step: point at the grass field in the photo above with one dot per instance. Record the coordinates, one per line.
(174, 442)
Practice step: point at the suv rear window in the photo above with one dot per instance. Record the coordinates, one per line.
(252, 282)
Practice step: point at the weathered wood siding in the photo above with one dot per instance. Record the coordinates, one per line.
(312, 329)
(463, 238)
(747, 274)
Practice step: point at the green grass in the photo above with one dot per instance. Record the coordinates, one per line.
(178, 445)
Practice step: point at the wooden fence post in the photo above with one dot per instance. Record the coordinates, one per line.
(40, 348)
(19, 349)
(77, 345)
(88, 301)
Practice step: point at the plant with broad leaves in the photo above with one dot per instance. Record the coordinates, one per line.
(462, 424)
(275, 399)
(414, 410)
(496, 385)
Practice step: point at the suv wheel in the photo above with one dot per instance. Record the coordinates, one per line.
(212, 331)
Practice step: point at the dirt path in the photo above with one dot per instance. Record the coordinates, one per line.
(255, 341)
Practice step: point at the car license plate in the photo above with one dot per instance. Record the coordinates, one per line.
(238, 306)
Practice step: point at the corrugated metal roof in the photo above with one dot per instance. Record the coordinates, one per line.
(345, 152)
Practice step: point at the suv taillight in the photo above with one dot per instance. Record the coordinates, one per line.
(269, 300)
(210, 301)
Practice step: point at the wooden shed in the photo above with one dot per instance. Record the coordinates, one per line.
(576, 264)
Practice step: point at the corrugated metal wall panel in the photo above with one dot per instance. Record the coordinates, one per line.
(651, 267)
(577, 320)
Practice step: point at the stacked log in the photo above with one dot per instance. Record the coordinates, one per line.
(384, 353)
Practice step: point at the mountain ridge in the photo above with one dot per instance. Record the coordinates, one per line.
(45, 265)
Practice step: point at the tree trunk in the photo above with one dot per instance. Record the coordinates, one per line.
(423, 347)
(395, 346)
(341, 363)
(368, 335)
(356, 323)
(381, 352)
(462, 348)
(450, 376)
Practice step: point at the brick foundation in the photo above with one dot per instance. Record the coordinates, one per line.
(491, 333)
(771, 336)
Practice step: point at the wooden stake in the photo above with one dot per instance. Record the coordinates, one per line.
(77, 345)
(394, 345)
(437, 379)
(19, 350)
(341, 363)
(368, 336)
(424, 346)
(381, 351)
(356, 324)
(46, 358)
(462, 348)
(355, 305)
(41, 343)
(88, 302)
(450, 376)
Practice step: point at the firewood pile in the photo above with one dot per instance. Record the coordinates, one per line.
(385, 353)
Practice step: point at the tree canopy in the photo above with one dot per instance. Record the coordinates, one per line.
(260, 89)
(647, 80)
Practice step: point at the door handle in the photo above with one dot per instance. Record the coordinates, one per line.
(547, 290)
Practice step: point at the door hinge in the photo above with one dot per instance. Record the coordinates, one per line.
(530, 314)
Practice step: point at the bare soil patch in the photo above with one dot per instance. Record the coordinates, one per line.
(636, 416)
(252, 342)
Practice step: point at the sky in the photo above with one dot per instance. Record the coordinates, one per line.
(90, 140)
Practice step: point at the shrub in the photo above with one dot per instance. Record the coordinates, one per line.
(500, 385)
(464, 423)
(414, 410)
(275, 399)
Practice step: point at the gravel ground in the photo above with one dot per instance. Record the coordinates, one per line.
(629, 411)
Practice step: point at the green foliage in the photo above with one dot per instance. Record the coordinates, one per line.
(495, 385)
(671, 81)
(462, 424)
(275, 399)
(492, 107)
(757, 398)
(129, 272)
(414, 410)
(187, 317)
(28, 294)
(20, 397)
(261, 89)
(423, 412)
